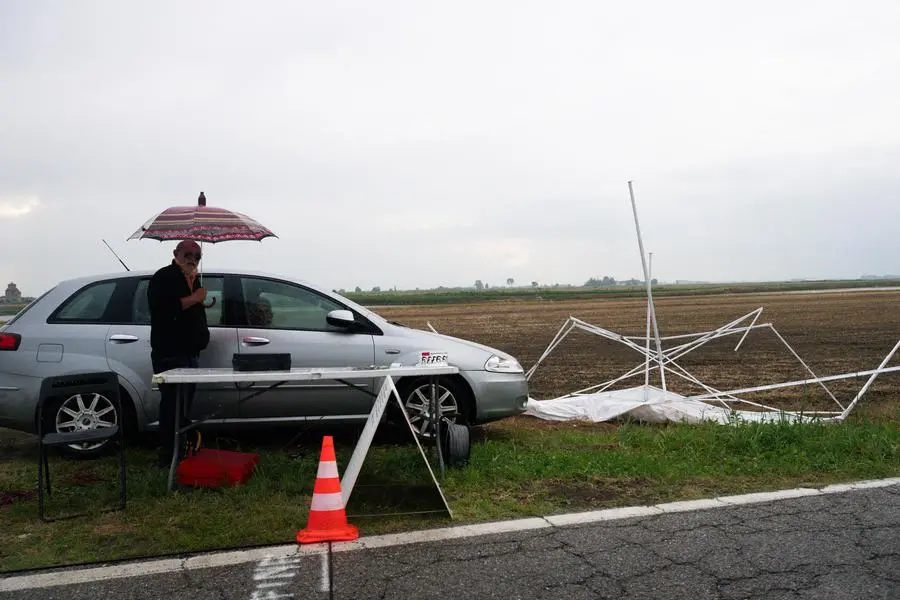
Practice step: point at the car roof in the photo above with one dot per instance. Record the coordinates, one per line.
(76, 282)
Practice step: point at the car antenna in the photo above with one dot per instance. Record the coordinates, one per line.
(117, 256)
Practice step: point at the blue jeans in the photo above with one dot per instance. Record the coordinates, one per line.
(167, 393)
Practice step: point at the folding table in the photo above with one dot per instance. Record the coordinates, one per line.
(344, 375)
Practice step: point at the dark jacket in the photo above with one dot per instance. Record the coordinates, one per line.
(175, 331)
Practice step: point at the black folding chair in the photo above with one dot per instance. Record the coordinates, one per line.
(65, 387)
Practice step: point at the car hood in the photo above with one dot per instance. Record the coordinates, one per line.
(447, 342)
(471, 354)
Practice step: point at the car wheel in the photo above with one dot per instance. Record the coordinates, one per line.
(456, 444)
(81, 412)
(416, 396)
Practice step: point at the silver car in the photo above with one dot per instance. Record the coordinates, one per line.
(102, 323)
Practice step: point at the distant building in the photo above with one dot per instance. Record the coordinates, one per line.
(12, 293)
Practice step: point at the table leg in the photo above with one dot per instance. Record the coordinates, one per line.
(435, 411)
(179, 391)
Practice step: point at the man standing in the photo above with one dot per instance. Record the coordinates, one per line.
(178, 333)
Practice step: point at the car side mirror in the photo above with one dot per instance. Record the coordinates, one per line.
(341, 318)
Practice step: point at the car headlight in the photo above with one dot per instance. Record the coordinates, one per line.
(499, 364)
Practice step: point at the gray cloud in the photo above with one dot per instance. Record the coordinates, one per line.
(418, 144)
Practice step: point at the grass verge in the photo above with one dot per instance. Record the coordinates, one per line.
(519, 467)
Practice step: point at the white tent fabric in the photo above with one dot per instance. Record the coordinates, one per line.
(659, 407)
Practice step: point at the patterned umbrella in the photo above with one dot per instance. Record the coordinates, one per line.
(201, 223)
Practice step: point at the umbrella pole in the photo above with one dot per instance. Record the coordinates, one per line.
(200, 274)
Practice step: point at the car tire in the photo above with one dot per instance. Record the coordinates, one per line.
(416, 392)
(456, 445)
(58, 418)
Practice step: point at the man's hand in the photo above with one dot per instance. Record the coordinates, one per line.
(197, 297)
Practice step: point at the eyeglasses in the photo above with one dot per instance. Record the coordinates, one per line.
(197, 255)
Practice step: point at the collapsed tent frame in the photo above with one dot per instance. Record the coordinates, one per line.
(725, 398)
(665, 359)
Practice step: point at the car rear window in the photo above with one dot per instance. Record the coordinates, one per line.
(88, 304)
(25, 308)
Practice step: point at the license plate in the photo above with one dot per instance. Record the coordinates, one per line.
(432, 359)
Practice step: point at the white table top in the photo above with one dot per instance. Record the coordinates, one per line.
(225, 375)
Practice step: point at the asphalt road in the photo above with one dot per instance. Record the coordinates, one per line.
(840, 545)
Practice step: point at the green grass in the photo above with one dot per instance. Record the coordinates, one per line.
(463, 295)
(9, 310)
(516, 470)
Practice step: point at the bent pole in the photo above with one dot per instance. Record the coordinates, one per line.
(659, 353)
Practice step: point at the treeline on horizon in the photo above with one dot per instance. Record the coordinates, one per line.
(572, 292)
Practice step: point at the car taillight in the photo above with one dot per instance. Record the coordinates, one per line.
(10, 341)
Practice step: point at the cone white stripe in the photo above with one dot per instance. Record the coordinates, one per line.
(327, 470)
(327, 502)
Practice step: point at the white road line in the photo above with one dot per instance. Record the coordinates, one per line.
(273, 575)
(325, 574)
(288, 554)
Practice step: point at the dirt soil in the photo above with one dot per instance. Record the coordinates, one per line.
(833, 333)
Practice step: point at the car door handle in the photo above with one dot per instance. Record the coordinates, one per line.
(255, 341)
(121, 338)
(392, 351)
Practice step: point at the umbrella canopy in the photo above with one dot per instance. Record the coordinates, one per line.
(201, 223)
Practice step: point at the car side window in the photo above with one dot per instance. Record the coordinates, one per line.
(140, 306)
(270, 304)
(88, 305)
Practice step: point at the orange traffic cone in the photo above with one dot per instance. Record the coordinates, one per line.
(327, 519)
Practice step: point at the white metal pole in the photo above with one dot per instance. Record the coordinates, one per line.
(869, 382)
(637, 226)
(776, 386)
(810, 371)
(557, 339)
(647, 358)
(752, 323)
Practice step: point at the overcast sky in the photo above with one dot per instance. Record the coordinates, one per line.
(420, 143)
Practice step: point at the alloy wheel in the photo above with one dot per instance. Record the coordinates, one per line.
(418, 407)
(83, 412)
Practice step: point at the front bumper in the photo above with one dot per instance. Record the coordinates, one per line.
(497, 395)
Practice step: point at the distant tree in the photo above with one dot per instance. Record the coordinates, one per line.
(534, 284)
(654, 281)
(510, 281)
(600, 281)
(479, 285)
(376, 288)
(357, 289)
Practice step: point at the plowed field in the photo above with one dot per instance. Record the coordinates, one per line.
(833, 333)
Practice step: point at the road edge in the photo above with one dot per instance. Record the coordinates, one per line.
(71, 576)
